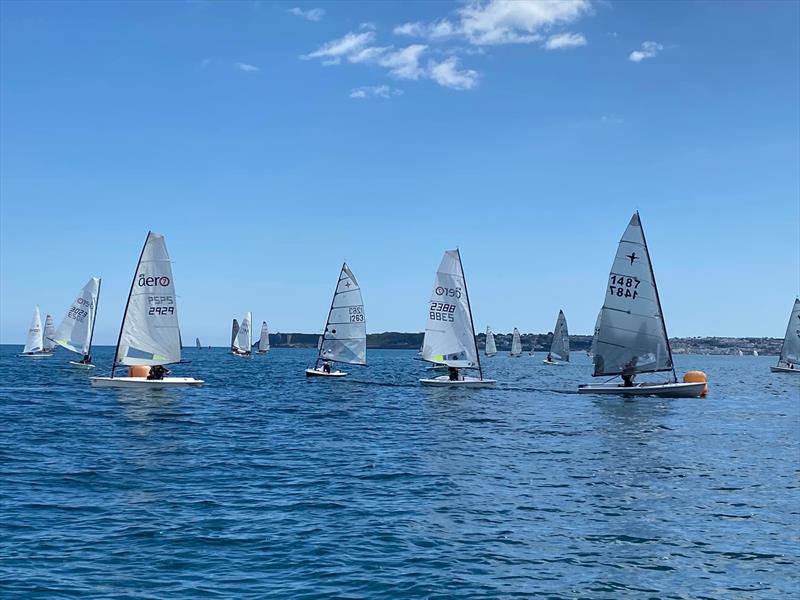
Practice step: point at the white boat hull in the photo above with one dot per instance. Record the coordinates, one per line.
(665, 390)
(445, 381)
(82, 365)
(143, 382)
(553, 363)
(321, 373)
(36, 355)
(783, 370)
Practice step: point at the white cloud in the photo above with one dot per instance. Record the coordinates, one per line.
(565, 40)
(312, 14)
(246, 68)
(488, 22)
(375, 91)
(648, 50)
(446, 73)
(333, 51)
(403, 63)
(612, 120)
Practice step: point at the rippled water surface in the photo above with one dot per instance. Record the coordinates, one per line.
(262, 484)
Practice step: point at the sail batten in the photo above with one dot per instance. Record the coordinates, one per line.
(790, 349)
(344, 339)
(77, 327)
(630, 334)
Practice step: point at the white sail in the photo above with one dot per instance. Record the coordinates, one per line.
(345, 337)
(790, 351)
(75, 331)
(197, 342)
(34, 343)
(516, 343)
(150, 334)
(263, 341)
(559, 348)
(632, 337)
(491, 347)
(234, 333)
(449, 333)
(244, 338)
(49, 331)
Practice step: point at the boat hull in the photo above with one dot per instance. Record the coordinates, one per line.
(75, 363)
(144, 382)
(36, 355)
(664, 390)
(783, 370)
(320, 373)
(445, 381)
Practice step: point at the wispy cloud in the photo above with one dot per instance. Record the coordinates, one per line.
(648, 50)
(375, 91)
(447, 74)
(490, 22)
(611, 120)
(565, 40)
(350, 44)
(312, 14)
(246, 67)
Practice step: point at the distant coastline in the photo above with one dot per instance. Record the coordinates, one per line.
(394, 340)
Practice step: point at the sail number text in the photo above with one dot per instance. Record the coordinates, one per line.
(356, 314)
(161, 305)
(450, 292)
(77, 313)
(441, 311)
(623, 287)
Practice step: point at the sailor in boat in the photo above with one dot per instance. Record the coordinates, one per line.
(86, 360)
(452, 372)
(627, 380)
(326, 366)
(549, 357)
(157, 373)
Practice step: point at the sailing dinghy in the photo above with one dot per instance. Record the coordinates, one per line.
(516, 343)
(559, 347)
(49, 331)
(263, 340)
(450, 332)
(149, 337)
(632, 336)
(76, 330)
(197, 343)
(491, 346)
(34, 344)
(790, 350)
(344, 339)
(242, 344)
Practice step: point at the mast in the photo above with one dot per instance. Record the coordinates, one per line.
(469, 305)
(658, 300)
(325, 330)
(94, 317)
(124, 314)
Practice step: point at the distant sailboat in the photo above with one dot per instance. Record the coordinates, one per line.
(755, 352)
(632, 337)
(591, 352)
(197, 343)
(344, 339)
(790, 350)
(491, 347)
(150, 336)
(243, 340)
(263, 340)
(76, 330)
(559, 347)
(49, 331)
(234, 333)
(450, 331)
(516, 343)
(34, 344)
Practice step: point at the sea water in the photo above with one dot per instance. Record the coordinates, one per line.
(263, 484)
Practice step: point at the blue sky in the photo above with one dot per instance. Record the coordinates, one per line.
(270, 141)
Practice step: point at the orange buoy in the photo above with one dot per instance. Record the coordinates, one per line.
(697, 377)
